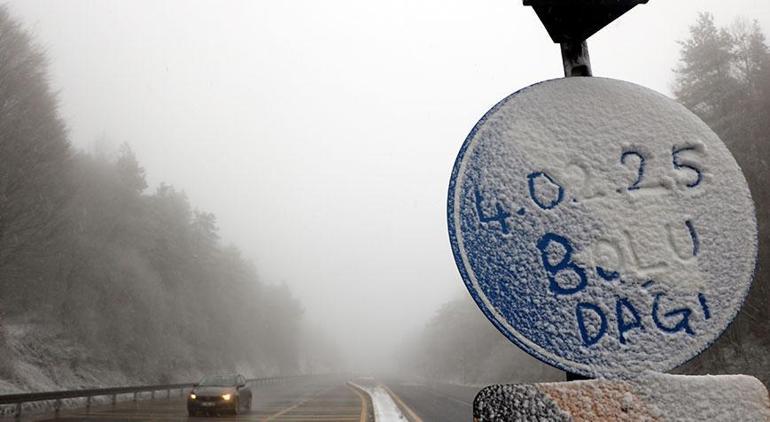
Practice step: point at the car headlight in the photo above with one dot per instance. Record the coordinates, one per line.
(193, 396)
(226, 396)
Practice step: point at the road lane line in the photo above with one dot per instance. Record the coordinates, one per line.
(412, 415)
(364, 405)
(286, 410)
(296, 405)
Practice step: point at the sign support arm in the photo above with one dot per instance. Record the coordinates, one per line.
(577, 61)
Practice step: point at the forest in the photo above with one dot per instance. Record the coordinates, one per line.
(723, 76)
(100, 274)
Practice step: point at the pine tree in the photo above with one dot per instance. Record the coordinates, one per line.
(705, 80)
(724, 77)
(35, 156)
(131, 173)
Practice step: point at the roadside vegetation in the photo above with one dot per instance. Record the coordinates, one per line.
(724, 77)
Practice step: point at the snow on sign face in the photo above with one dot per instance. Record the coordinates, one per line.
(601, 226)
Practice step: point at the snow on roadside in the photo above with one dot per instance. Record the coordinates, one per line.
(385, 409)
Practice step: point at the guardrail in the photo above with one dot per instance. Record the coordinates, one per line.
(57, 396)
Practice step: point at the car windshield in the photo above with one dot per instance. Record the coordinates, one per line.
(219, 380)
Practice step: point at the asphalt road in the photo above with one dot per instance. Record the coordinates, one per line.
(321, 400)
(434, 402)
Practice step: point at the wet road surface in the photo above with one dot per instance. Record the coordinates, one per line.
(322, 400)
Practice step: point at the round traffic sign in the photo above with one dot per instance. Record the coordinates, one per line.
(601, 226)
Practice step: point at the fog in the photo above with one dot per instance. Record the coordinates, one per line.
(322, 134)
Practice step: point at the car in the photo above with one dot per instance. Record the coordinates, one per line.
(219, 394)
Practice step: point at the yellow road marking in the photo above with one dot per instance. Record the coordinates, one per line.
(364, 405)
(288, 409)
(106, 417)
(412, 415)
(296, 405)
(319, 418)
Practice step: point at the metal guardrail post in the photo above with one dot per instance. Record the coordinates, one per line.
(17, 412)
(114, 399)
(88, 402)
(57, 406)
(135, 393)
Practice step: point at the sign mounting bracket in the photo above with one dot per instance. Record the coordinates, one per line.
(571, 22)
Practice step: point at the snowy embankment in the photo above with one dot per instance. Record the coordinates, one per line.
(385, 408)
(36, 357)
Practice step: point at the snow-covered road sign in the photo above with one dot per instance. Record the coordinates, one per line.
(601, 226)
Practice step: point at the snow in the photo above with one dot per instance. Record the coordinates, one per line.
(651, 397)
(602, 227)
(39, 357)
(385, 409)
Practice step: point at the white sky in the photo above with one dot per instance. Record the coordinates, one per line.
(322, 133)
